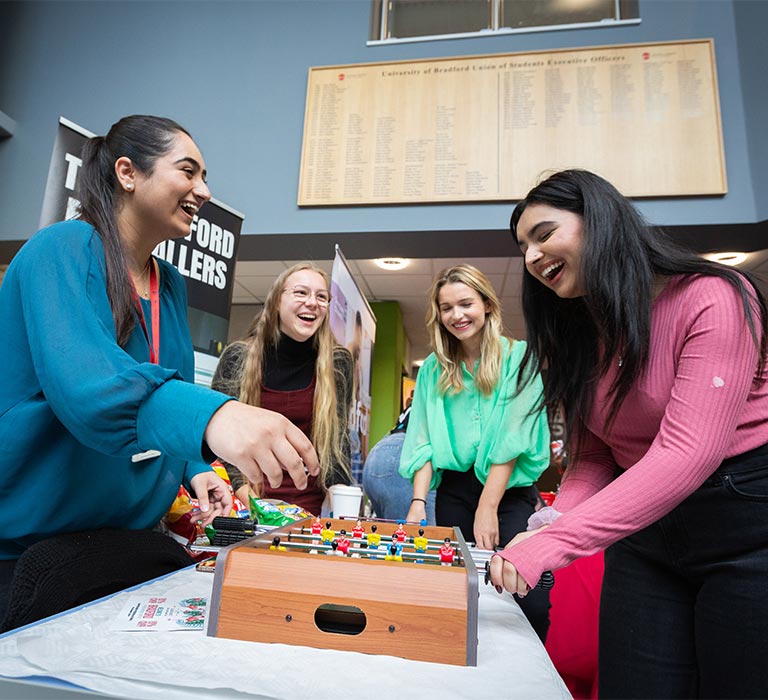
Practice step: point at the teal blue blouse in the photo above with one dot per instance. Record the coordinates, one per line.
(469, 429)
(75, 407)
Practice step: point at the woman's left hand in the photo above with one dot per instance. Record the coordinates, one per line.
(212, 494)
(505, 576)
(486, 527)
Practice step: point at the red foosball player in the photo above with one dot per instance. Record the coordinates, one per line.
(317, 527)
(447, 553)
(400, 534)
(358, 530)
(276, 545)
(343, 542)
(327, 533)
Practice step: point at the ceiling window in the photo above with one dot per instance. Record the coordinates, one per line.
(423, 20)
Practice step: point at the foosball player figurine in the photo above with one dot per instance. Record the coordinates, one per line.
(394, 554)
(358, 530)
(317, 527)
(373, 539)
(400, 534)
(327, 534)
(334, 550)
(343, 542)
(420, 544)
(277, 546)
(447, 553)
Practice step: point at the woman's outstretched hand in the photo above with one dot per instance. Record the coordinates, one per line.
(258, 441)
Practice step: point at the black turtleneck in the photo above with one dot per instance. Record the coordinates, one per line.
(290, 365)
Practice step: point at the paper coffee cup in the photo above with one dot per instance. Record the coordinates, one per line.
(346, 501)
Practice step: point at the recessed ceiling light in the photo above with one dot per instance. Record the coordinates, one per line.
(727, 258)
(392, 263)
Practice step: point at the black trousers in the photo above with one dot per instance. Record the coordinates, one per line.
(7, 567)
(457, 499)
(684, 611)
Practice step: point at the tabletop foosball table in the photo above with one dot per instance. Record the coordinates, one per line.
(374, 587)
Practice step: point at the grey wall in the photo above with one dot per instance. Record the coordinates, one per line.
(234, 73)
(751, 23)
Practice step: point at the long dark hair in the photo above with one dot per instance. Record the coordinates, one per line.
(577, 340)
(143, 139)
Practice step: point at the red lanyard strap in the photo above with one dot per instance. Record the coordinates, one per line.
(154, 302)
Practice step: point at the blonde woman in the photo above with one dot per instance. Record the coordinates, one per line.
(476, 434)
(288, 363)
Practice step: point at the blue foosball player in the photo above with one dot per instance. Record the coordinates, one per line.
(394, 553)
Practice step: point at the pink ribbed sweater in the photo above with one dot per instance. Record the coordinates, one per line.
(696, 405)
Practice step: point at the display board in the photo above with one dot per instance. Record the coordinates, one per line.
(483, 128)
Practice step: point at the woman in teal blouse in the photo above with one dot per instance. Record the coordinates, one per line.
(478, 431)
(99, 420)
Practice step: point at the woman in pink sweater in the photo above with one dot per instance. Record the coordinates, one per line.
(659, 360)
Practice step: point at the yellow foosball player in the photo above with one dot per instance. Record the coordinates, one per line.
(327, 533)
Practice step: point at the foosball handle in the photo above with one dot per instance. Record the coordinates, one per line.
(545, 583)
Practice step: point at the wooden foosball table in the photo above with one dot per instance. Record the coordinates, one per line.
(376, 590)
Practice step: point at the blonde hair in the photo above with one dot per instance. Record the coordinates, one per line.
(447, 348)
(264, 333)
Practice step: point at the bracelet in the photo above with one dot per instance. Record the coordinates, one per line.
(419, 499)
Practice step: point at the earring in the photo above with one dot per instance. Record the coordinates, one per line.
(129, 187)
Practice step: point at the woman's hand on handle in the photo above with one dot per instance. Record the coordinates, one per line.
(504, 576)
(259, 442)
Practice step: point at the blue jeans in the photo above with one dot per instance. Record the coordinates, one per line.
(684, 610)
(390, 494)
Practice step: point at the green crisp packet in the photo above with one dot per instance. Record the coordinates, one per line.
(270, 511)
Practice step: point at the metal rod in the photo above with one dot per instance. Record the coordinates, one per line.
(368, 552)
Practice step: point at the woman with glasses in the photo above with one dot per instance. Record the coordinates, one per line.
(288, 362)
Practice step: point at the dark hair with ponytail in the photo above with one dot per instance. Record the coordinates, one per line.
(143, 139)
(576, 340)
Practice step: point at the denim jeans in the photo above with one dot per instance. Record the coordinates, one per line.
(457, 499)
(684, 607)
(390, 494)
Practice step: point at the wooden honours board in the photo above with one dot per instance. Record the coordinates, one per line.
(484, 128)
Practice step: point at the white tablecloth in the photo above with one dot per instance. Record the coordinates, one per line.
(80, 647)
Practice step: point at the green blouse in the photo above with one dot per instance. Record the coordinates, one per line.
(469, 429)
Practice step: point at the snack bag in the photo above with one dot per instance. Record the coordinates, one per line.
(270, 511)
(182, 521)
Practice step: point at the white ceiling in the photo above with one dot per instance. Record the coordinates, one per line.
(409, 287)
